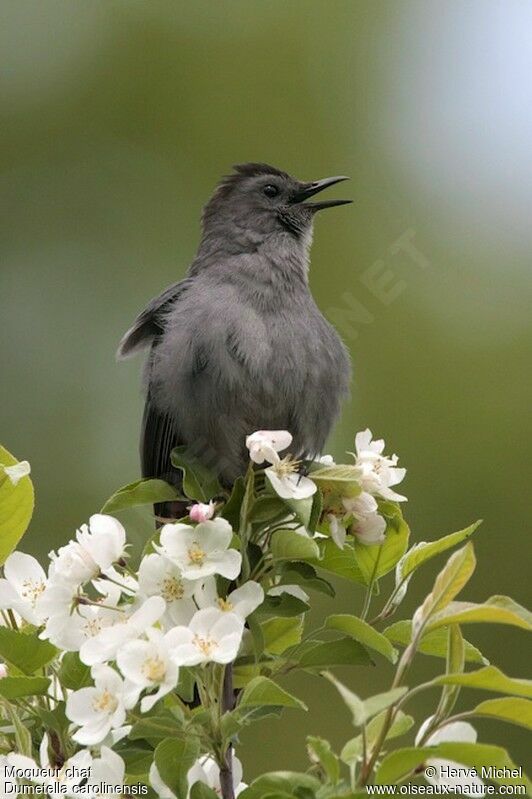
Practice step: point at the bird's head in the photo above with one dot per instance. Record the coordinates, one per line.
(258, 200)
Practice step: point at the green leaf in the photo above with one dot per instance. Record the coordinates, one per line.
(138, 761)
(202, 791)
(25, 651)
(244, 673)
(267, 509)
(305, 574)
(495, 610)
(363, 710)
(73, 673)
(455, 664)
(326, 654)
(339, 479)
(262, 691)
(280, 784)
(22, 733)
(449, 582)
(15, 687)
(362, 631)
(315, 513)
(513, 709)
(173, 758)
(282, 633)
(341, 562)
(16, 506)
(282, 605)
(488, 679)
(198, 482)
(397, 765)
(288, 545)
(154, 728)
(376, 561)
(231, 509)
(434, 642)
(141, 492)
(319, 751)
(353, 749)
(423, 551)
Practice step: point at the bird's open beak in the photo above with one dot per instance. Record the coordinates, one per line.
(310, 189)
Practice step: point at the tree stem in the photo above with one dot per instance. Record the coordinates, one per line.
(228, 703)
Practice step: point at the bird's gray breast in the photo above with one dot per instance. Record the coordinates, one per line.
(230, 363)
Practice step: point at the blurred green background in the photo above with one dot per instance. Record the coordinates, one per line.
(119, 118)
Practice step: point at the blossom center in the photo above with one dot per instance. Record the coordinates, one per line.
(172, 588)
(105, 702)
(31, 590)
(286, 466)
(205, 645)
(225, 604)
(92, 627)
(196, 554)
(154, 669)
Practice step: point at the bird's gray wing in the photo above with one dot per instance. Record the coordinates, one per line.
(150, 322)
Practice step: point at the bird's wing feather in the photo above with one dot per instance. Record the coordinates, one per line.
(149, 323)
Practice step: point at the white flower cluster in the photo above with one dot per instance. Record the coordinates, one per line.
(135, 632)
(376, 473)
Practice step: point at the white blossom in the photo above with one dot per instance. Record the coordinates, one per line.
(68, 623)
(159, 576)
(130, 625)
(211, 636)
(207, 770)
(378, 472)
(63, 781)
(97, 546)
(147, 665)
(108, 769)
(100, 708)
(337, 530)
(201, 551)
(264, 445)
(242, 601)
(456, 732)
(369, 530)
(16, 472)
(287, 482)
(24, 583)
(161, 788)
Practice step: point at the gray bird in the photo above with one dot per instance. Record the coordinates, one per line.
(239, 344)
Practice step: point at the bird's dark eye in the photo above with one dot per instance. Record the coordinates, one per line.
(270, 190)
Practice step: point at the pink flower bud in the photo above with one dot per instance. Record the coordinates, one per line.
(201, 512)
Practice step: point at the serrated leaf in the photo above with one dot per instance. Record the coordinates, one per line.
(363, 632)
(141, 492)
(448, 583)
(340, 562)
(266, 509)
(173, 758)
(376, 561)
(261, 692)
(289, 545)
(455, 664)
(495, 610)
(201, 790)
(423, 551)
(22, 733)
(294, 573)
(353, 749)
(25, 651)
(153, 728)
(434, 642)
(281, 633)
(15, 687)
(199, 482)
(362, 710)
(327, 654)
(488, 679)
(319, 751)
(513, 709)
(16, 506)
(231, 509)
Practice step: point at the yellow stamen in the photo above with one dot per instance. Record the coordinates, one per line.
(224, 604)
(172, 589)
(105, 703)
(196, 555)
(205, 645)
(154, 669)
